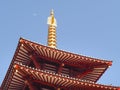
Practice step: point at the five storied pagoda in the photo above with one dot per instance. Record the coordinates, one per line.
(38, 67)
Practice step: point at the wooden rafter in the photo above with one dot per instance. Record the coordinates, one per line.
(84, 73)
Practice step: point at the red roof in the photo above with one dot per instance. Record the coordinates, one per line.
(55, 55)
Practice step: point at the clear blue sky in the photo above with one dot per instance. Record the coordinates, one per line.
(87, 27)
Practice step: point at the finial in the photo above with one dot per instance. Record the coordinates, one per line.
(52, 12)
(51, 19)
(52, 24)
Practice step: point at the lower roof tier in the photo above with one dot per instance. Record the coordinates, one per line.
(21, 73)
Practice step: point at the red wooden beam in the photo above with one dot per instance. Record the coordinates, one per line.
(30, 85)
(31, 54)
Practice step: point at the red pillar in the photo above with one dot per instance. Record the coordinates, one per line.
(36, 63)
(60, 68)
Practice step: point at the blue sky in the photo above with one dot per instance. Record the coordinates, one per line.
(87, 27)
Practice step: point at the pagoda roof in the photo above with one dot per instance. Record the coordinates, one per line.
(19, 70)
(59, 56)
(25, 47)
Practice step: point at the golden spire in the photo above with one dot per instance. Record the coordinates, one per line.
(52, 24)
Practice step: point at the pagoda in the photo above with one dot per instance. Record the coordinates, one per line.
(39, 67)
